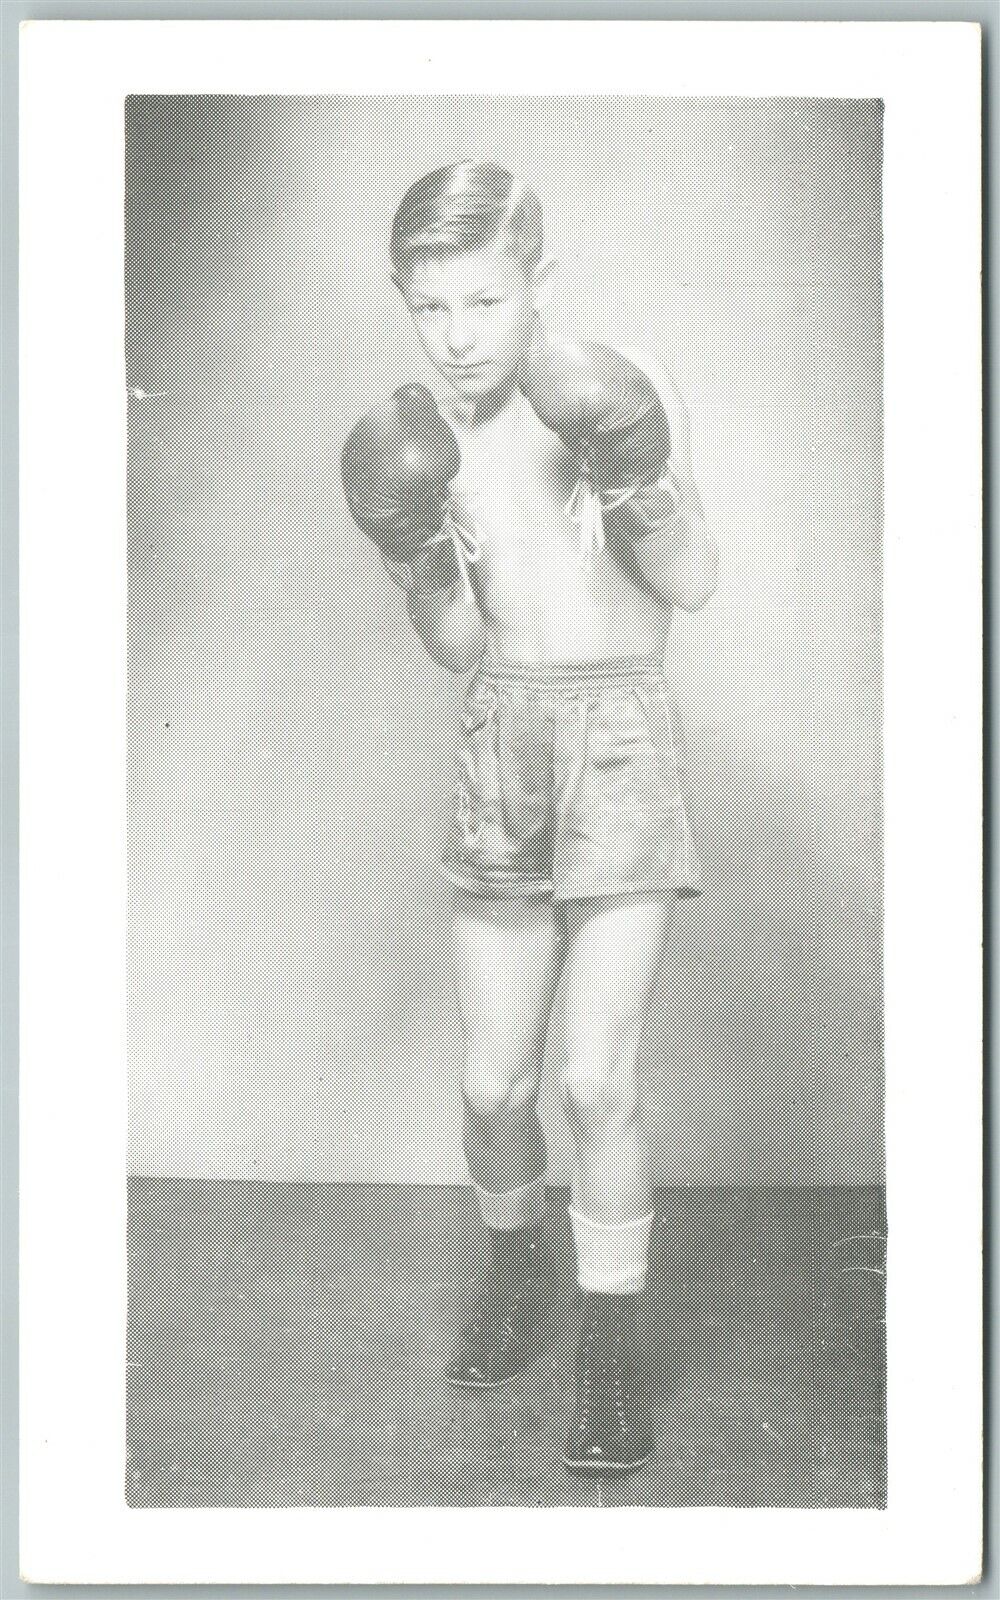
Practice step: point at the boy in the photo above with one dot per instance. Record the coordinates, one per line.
(540, 513)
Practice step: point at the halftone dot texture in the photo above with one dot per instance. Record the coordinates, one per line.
(290, 749)
(570, 782)
(287, 1346)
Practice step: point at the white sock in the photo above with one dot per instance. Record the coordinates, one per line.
(611, 1258)
(505, 1209)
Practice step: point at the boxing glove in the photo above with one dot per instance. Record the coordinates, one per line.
(608, 415)
(397, 465)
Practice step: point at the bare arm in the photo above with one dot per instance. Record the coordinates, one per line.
(671, 544)
(450, 627)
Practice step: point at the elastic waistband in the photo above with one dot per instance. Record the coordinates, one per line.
(571, 672)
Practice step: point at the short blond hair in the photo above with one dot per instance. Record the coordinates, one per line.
(462, 207)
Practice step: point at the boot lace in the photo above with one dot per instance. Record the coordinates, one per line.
(602, 1379)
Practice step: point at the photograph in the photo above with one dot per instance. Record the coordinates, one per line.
(504, 801)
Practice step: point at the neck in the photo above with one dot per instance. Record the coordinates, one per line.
(475, 410)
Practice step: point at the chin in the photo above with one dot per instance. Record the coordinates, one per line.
(481, 385)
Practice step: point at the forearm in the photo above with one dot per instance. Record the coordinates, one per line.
(448, 623)
(673, 548)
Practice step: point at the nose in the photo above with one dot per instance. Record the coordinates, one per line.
(460, 338)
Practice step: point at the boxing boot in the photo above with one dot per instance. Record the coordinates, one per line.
(497, 1341)
(610, 1432)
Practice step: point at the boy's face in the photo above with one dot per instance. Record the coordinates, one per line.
(473, 311)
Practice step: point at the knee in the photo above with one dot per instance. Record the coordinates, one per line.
(599, 1091)
(492, 1095)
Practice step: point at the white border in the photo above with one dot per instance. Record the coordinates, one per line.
(75, 1526)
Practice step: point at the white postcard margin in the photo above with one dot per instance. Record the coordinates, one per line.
(75, 1525)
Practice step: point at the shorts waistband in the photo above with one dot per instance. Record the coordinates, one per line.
(614, 669)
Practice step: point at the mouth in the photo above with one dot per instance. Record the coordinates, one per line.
(466, 369)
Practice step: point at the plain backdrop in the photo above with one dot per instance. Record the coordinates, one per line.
(291, 1012)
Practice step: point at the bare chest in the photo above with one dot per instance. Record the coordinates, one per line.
(514, 483)
(530, 580)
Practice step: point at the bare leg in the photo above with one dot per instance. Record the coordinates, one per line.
(507, 959)
(616, 945)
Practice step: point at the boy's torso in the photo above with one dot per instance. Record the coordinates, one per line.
(539, 600)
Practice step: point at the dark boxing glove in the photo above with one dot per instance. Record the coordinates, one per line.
(608, 415)
(397, 466)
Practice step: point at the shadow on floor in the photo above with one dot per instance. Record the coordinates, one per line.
(286, 1341)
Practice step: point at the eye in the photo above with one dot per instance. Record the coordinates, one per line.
(488, 300)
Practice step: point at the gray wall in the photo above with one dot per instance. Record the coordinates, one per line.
(290, 1015)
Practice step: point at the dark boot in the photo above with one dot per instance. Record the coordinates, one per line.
(610, 1432)
(497, 1341)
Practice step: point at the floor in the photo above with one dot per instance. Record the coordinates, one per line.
(286, 1342)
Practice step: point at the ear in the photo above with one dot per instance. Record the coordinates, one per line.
(542, 281)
